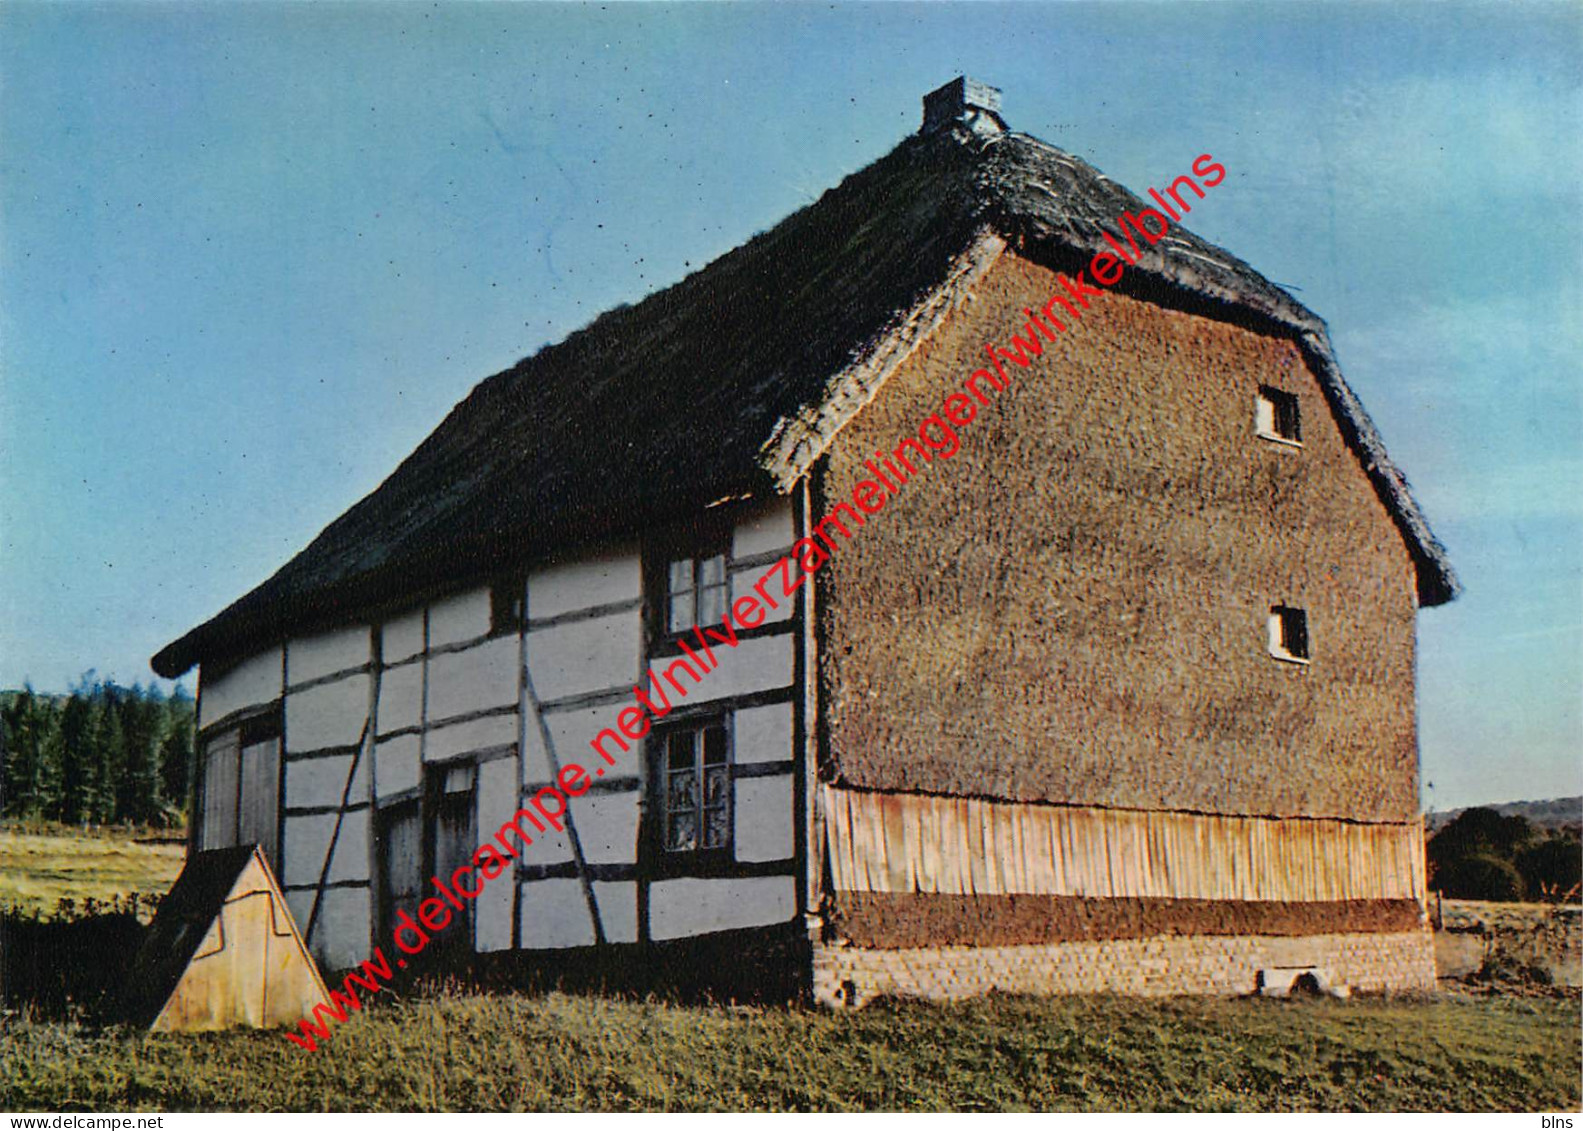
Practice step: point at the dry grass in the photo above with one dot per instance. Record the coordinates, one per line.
(475, 1052)
(37, 870)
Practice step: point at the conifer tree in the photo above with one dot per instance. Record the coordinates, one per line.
(77, 768)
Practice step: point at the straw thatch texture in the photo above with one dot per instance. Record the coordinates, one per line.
(959, 846)
(711, 388)
(1074, 608)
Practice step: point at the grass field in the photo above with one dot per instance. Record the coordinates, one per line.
(38, 870)
(472, 1052)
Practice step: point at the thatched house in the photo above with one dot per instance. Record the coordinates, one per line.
(1121, 697)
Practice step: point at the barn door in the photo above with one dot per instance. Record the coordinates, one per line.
(451, 843)
(399, 830)
(258, 820)
(240, 787)
(221, 773)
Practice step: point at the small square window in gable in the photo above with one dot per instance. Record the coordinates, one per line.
(1276, 415)
(1288, 627)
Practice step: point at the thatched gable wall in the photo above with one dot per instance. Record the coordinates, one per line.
(1073, 608)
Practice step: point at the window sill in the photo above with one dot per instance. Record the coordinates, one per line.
(1287, 658)
(1280, 440)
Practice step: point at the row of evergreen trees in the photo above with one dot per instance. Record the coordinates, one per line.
(103, 754)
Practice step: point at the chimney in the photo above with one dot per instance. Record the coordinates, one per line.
(963, 100)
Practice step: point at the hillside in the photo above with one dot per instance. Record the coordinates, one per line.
(1556, 813)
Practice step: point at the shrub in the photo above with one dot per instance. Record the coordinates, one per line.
(1554, 865)
(1480, 876)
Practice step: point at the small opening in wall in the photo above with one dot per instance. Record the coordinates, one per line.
(849, 993)
(1306, 985)
(1289, 633)
(1276, 415)
(507, 605)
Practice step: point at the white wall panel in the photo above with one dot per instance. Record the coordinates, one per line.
(497, 790)
(548, 847)
(573, 732)
(767, 527)
(585, 656)
(462, 738)
(618, 910)
(678, 908)
(253, 682)
(763, 734)
(764, 818)
(321, 781)
(400, 697)
(753, 665)
(330, 652)
(483, 676)
(396, 765)
(331, 714)
(341, 936)
(462, 617)
(611, 576)
(308, 838)
(554, 915)
(607, 826)
(743, 581)
(403, 637)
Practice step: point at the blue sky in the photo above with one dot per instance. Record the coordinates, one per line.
(251, 254)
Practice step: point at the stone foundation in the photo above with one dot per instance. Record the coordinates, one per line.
(851, 976)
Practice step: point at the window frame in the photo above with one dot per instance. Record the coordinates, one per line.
(700, 859)
(1274, 406)
(703, 539)
(1280, 637)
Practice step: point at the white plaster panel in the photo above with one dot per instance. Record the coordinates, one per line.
(743, 581)
(549, 847)
(463, 738)
(607, 826)
(555, 915)
(400, 697)
(321, 781)
(753, 665)
(251, 683)
(766, 527)
(330, 652)
(340, 937)
(462, 617)
(586, 655)
(573, 733)
(308, 839)
(764, 818)
(497, 789)
(608, 577)
(618, 910)
(483, 676)
(331, 714)
(402, 637)
(396, 765)
(300, 904)
(762, 734)
(678, 908)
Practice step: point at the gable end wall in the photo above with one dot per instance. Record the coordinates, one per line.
(1073, 608)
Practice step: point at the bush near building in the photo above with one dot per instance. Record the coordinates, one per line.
(1485, 855)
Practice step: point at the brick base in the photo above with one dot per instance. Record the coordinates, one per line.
(851, 976)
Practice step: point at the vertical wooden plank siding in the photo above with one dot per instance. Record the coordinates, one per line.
(893, 842)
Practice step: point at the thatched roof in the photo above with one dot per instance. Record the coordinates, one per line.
(662, 408)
